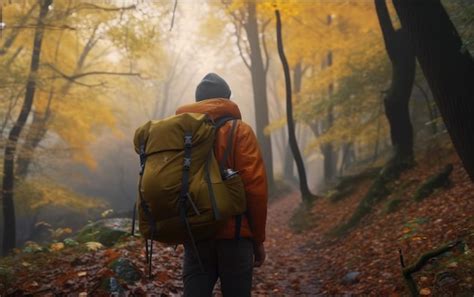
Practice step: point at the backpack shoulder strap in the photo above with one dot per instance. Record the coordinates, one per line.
(228, 147)
(221, 121)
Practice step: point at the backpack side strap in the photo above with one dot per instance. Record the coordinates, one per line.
(228, 148)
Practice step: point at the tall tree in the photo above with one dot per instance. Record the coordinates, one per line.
(327, 148)
(305, 192)
(247, 18)
(298, 72)
(397, 98)
(9, 234)
(259, 84)
(62, 86)
(448, 68)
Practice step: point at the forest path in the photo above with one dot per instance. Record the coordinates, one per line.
(287, 270)
(73, 270)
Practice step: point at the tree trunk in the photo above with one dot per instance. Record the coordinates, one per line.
(9, 235)
(305, 192)
(345, 162)
(297, 81)
(448, 68)
(259, 83)
(39, 126)
(327, 149)
(430, 109)
(35, 134)
(288, 166)
(397, 98)
(329, 161)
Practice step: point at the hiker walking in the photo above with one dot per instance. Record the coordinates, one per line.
(202, 184)
(238, 244)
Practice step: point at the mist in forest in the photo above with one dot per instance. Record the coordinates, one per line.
(190, 56)
(361, 110)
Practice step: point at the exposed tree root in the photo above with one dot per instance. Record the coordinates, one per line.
(407, 271)
(377, 191)
(436, 181)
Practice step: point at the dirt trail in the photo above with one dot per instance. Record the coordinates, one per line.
(287, 271)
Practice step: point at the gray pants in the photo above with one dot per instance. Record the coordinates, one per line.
(229, 260)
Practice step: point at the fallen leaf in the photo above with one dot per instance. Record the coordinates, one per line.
(425, 292)
(106, 213)
(111, 255)
(94, 246)
(163, 277)
(57, 246)
(453, 265)
(82, 273)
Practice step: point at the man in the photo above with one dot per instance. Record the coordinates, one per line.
(233, 253)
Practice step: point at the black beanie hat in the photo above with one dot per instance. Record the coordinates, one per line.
(212, 86)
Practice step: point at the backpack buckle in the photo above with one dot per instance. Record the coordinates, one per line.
(187, 164)
(188, 141)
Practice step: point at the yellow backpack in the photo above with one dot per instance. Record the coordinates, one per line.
(184, 192)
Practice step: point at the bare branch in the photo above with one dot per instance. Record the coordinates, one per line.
(174, 14)
(14, 34)
(264, 44)
(13, 101)
(82, 6)
(74, 77)
(265, 24)
(267, 56)
(237, 34)
(407, 271)
(310, 28)
(13, 57)
(49, 27)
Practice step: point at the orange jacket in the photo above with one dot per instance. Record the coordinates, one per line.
(246, 158)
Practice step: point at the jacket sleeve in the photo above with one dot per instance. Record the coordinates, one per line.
(249, 162)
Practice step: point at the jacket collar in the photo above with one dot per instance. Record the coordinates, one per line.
(214, 108)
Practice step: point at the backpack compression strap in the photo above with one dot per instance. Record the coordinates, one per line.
(146, 210)
(228, 149)
(184, 194)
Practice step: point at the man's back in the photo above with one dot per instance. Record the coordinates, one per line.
(238, 245)
(245, 157)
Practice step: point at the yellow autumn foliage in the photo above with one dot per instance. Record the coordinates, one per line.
(40, 192)
(79, 109)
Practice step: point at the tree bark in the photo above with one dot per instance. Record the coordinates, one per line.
(327, 149)
(448, 68)
(288, 166)
(396, 101)
(305, 192)
(297, 81)
(9, 234)
(430, 109)
(345, 162)
(329, 161)
(35, 134)
(259, 83)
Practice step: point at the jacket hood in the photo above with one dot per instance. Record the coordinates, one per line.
(214, 108)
